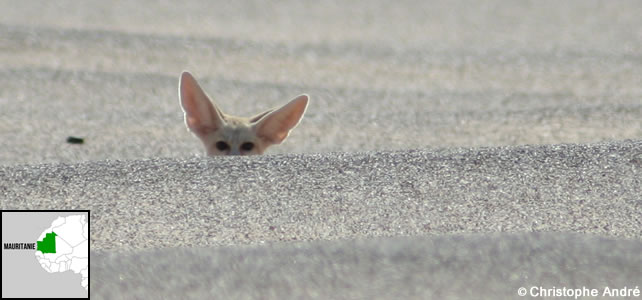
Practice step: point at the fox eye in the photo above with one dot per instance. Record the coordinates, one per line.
(222, 146)
(247, 146)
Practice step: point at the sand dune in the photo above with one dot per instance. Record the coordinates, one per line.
(470, 266)
(329, 226)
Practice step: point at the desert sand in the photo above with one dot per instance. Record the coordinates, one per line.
(451, 149)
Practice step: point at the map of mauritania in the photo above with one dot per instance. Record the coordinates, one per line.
(64, 247)
(45, 249)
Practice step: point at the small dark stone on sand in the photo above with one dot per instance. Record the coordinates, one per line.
(75, 140)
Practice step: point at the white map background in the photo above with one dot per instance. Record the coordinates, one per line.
(72, 247)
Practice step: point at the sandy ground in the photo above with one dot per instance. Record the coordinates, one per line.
(452, 149)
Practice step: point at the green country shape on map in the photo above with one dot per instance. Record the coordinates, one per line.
(48, 244)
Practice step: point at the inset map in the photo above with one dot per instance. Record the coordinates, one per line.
(48, 249)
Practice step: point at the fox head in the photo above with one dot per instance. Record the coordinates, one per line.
(224, 134)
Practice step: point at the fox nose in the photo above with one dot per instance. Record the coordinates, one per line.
(234, 152)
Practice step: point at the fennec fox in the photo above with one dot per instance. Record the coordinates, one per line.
(223, 134)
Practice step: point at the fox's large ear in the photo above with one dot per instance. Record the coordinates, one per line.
(201, 116)
(275, 125)
(257, 117)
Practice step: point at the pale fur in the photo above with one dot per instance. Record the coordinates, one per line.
(207, 122)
